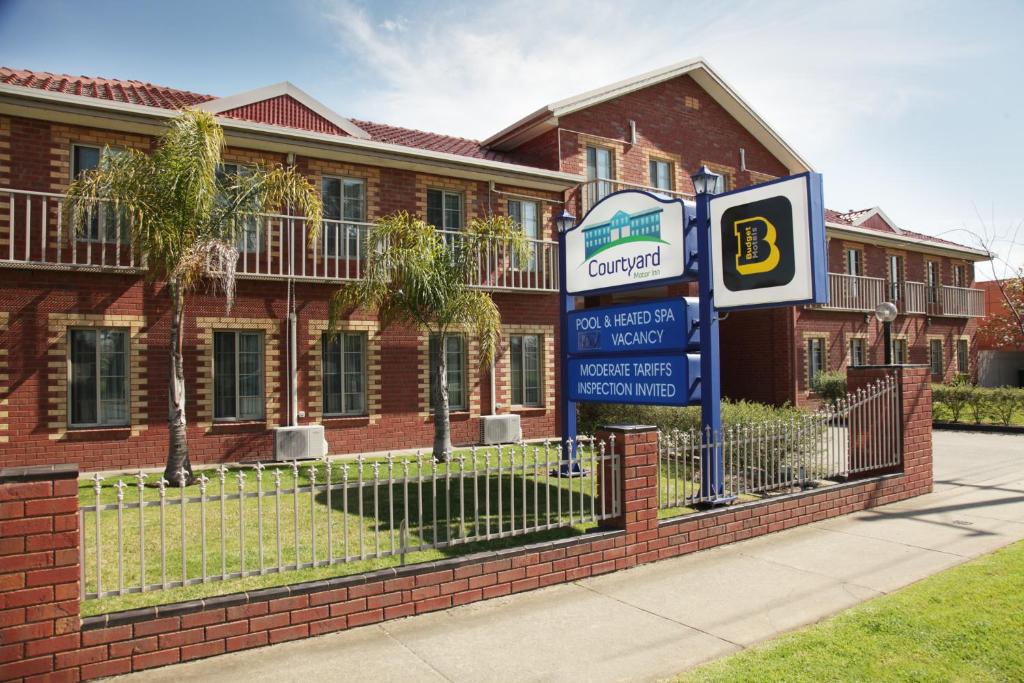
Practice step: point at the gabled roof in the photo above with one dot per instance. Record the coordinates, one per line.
(409, 137)
(547, 117)
(861, 217)
(282, 104)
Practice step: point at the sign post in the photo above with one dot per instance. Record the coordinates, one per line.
(712, 466)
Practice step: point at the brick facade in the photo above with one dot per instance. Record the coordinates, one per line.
(42, 635)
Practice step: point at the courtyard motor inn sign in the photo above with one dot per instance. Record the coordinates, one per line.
(768, 244)
(630, 239)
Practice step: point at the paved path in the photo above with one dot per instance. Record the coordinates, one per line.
(653, 621)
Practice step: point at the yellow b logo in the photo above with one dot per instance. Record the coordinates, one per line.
(754, 237)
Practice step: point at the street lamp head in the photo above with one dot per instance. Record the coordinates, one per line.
(565, 221)
(886, 311)
(706, 181)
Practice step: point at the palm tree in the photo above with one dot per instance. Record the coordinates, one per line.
(185, 218)
(416, 276)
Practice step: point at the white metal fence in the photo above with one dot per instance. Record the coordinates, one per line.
(265, 519)
(860, 433)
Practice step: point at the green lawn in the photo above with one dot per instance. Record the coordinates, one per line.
(965, 624)
(469, 505)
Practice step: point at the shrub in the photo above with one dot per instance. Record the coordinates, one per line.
(831, 386)
(978, 403)
(956, 397)
(593, 416)
(1004, 402)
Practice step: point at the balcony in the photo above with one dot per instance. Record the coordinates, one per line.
(593, 191)
(863, 294)
(274, 246)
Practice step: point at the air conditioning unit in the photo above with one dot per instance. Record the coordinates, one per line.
(299, 443)
(500, 429)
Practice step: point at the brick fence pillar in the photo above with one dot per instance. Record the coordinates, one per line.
(915, 391)
(39, 570)
(637, 448)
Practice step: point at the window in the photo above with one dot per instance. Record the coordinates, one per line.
(899, 351)
(248, 239)
(815, 359)
(455, 352)
(895, 276)
(858, 352)
(599, 168)
(855, 262)
(935, 356)
(86, 158)
(344, 201)
(526, 214)
(238, 375)
(661, 174)
(98, 363)
(932, 275)
(524, 350)
(444, 209)
(963, 361)
(344, 373)
(960, 275)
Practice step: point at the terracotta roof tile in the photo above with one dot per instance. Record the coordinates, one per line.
(436, 142)
(131, 92)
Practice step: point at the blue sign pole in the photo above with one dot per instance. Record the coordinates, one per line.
(567, 418)
(711, 463)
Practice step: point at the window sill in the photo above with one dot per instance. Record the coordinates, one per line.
(239, 425)
(527, 410)
(343, 419)
(100, 430)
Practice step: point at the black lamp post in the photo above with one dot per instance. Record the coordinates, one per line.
(886, 313)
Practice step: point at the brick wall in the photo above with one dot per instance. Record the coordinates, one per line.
(42, 635)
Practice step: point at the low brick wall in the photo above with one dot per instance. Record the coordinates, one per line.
(140, 639)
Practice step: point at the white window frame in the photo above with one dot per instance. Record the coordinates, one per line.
(808, 349)
(248, 240)
(933, 280)
(445, 196)
(933, 359)
(238, 417)
(854, 262)
(531, 250)
(464, 379)
(896, 276)
(861, 344)
(523, 371)
(963, 360)
(354, 232)
(900, 351)
(100, 421)
(343, 338)
(602, 184)
(103, 213)
(654, 172)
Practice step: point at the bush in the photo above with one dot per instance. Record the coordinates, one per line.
(592, 416)
(1000, 404)
(955, 397)
(1004, 402)
(831, 386)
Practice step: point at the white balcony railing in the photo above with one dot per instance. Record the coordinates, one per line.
(594, 191)
(962, 302)
(33, 235)
(854, 293)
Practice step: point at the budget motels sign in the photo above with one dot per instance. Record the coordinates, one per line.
(768, 244)
(630, 239)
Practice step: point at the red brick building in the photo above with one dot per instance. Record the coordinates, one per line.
(84, 335)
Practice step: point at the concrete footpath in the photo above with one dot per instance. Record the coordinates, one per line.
(654, 621)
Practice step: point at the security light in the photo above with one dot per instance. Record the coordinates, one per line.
(706, 181)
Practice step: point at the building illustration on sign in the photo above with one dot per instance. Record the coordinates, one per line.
(622, 228)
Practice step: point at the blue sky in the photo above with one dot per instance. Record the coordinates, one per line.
(917, 107)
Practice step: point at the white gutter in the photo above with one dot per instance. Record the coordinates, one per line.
(116, 110)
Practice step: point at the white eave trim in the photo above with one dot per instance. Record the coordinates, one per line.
(904, 240)
(877, 211)
(283, 88)
(351, 142)
(701, 72)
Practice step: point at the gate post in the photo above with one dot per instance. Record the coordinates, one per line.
(637, 450)
(915, 418)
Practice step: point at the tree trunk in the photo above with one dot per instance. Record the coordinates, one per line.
(177, 447)
(442, 424)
